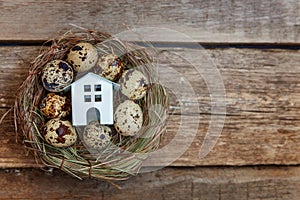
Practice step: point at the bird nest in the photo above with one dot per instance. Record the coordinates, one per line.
(124, 154)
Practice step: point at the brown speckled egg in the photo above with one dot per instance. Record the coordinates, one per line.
(83, 56)
(59, 133)
(53, 106)
(109, 66)
(128, 118)
(133, 84)
(97, 136)
(57, 75)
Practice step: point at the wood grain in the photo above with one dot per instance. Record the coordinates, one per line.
(262, 100)
(221, 183)
(262, 96)
(275, 21)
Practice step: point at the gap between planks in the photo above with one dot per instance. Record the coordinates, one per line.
(174, 45)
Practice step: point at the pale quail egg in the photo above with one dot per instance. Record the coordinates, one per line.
(53, 106)
(128, 118)
(109, 66)
(83, 56)
(57, 75)
(133, 84)
(97, 136)
(59, 133)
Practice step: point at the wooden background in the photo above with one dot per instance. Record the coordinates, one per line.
(255, 46)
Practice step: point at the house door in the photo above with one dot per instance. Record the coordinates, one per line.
(93, 114)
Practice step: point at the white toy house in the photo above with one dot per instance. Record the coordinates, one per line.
(92, 99)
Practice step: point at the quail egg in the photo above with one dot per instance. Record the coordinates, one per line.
(128, 118)
(109, 66)
(53, 106)
(133, 84)
(97, 136)
(59, 133)
(83, 56)
(57, 75)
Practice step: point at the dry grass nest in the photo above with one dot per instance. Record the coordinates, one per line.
(125, 155)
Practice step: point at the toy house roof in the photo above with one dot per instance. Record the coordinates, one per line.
(95, 77)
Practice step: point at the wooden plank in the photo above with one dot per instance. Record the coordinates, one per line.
(170, 183)
(262, 99)
(275, 21)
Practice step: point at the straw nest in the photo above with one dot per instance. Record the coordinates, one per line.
(124, 156)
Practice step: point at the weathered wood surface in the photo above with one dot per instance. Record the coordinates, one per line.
(262, 96)
(274, 183)
(262, 99)
(275, 21)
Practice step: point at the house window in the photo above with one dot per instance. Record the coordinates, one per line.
(98, 98)
(87, 98)
(87, 88)
(97, 88)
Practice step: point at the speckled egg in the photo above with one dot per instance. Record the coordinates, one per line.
(133, 84)
(57, 75)
(53, 106)
(97, 136)
(59, 133)
(128, 118)
(109, 66)
(83, 56)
